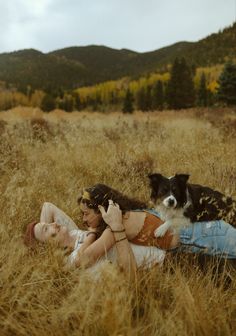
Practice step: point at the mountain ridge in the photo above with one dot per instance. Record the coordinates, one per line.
(76, 66)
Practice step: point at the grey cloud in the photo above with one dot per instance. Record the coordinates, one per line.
(140, 25)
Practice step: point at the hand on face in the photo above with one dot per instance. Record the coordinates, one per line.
(113, 216)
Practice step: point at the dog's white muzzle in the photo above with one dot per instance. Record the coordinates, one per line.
(170, 202)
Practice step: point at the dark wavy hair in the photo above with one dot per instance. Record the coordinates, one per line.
(100, 194)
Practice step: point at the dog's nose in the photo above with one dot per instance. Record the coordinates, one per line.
(171, 202)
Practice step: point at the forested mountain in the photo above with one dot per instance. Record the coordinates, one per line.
(80, 66)
(106, 63)
(40, 71)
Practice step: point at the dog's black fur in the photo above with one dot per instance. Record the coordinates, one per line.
(199, 203)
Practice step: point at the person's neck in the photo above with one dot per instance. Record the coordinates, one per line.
(69, 240)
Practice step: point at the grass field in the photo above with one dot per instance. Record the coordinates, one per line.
(49, 157)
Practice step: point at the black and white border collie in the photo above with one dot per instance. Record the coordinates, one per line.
(180, 203)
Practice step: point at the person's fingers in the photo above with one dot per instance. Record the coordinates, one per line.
(101, 209)
(110, 202)
(117, 205)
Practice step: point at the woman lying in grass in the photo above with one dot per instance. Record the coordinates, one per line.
(55, 226)
(114, 219)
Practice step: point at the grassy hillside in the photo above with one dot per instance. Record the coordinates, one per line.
(49, 157)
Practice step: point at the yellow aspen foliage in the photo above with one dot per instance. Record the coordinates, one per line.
(118, 88)
(212, 74)
(9, 99)
(36, 98)
(213, 86)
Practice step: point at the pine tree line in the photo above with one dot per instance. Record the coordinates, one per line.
(178, 92)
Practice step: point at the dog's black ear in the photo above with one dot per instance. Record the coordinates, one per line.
(182, 177)
(155, 178)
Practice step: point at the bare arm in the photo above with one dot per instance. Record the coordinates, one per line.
(50, 213)
(89, 239)
(95, 250)
(113, 217)
(126, 259)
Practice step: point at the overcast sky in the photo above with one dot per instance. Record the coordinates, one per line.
(140, 25)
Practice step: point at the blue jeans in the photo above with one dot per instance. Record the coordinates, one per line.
(216, 238)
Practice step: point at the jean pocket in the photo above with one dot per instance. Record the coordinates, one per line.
(214, 228)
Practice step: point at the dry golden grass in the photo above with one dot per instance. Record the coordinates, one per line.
(48, 158)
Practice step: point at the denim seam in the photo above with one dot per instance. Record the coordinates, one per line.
(204, 247)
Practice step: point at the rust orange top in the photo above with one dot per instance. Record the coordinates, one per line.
(146, 235)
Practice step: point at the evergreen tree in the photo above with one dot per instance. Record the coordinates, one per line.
(95, 101)
(113, 98)
(60, 93)
(48, 103)
(60, 103)
(68, 103)
(144, 98)
(202, 91)
(148, 98)
(29, 91)
(128, 102)
(141, 100)
(227, 84)
(180, 87)
(158, 96)
(78, 103)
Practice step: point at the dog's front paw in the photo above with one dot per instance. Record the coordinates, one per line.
(160, 232)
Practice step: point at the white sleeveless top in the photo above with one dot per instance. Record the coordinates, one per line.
(144, 255)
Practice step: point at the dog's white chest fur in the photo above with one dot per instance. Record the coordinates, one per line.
(174, 219)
